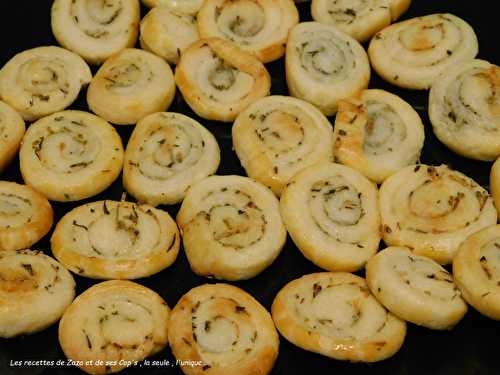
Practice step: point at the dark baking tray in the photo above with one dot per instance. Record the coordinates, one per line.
(470, 348)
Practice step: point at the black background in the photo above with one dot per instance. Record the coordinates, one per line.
(470, 348)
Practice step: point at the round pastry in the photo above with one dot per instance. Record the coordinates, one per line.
(260, 26)
(231, 227)
(324, 65)
(218, 80)
(359, 19)
(113, 325)
(277, 136)
(225, 330)
(25, 216)
(43, 80)
(377, 133)
(413, 53)
(168, 33)
(477, 272)
(116, 240)
(464, 109)
(190, 7)
(334, 314)
(331, 212)
(12, 129)
(415, 288)
(95, 29)
(166, 154)
(432, 209)
(34, 292)
(131, 85)
(495, 183)
(71, 155)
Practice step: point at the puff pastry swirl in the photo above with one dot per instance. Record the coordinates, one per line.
(334, 314)
(43, 80)
(95, 29)
(231, 227)
(225, 329)
(166, 154)
(116, 322)
(432, 209)
(258, 26)
(277, 136)
(116, 240)
(71, 155)
(324, 65)
(218, 80)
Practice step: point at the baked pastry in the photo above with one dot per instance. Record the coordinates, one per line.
(476, 271)
(464, 109)
(324, 65)
(70, 155)
(166, 154)
(415, 288)
(218, 80)
(359, 19)
(25, 216)
(95, 30)
(12, 129)
(34, 292)
(113, 325)
(432, 209)
(231, 227)
(131, 85)
(413, 53)
(495, 183)
(224, 329)
(167, 33)
(334, 314)
(260, 27)
(183, 6)
(331, 212)
(277, 136)
(116, 240)
(43, 80)
(377, 133)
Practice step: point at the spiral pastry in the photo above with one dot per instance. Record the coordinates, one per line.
(464, 109)
(415, 288)
(324, 65)
(166, 154)
(377, 133)
(495, 183)
(334, 314)
(331, 212)
(277, 136)
(225, 329)
(25, 216)
(432, 209)
(131, 85)
(43, 80)
(116, 240)
(168, 33)
(477, 272)
(358, 18)
(231, 227)
(71, 155)
(95, 29)
(218, 80)
(34, 292)
(12, 129)
(114, 323)
(190, 7)
(413, 53)
(257, 26)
